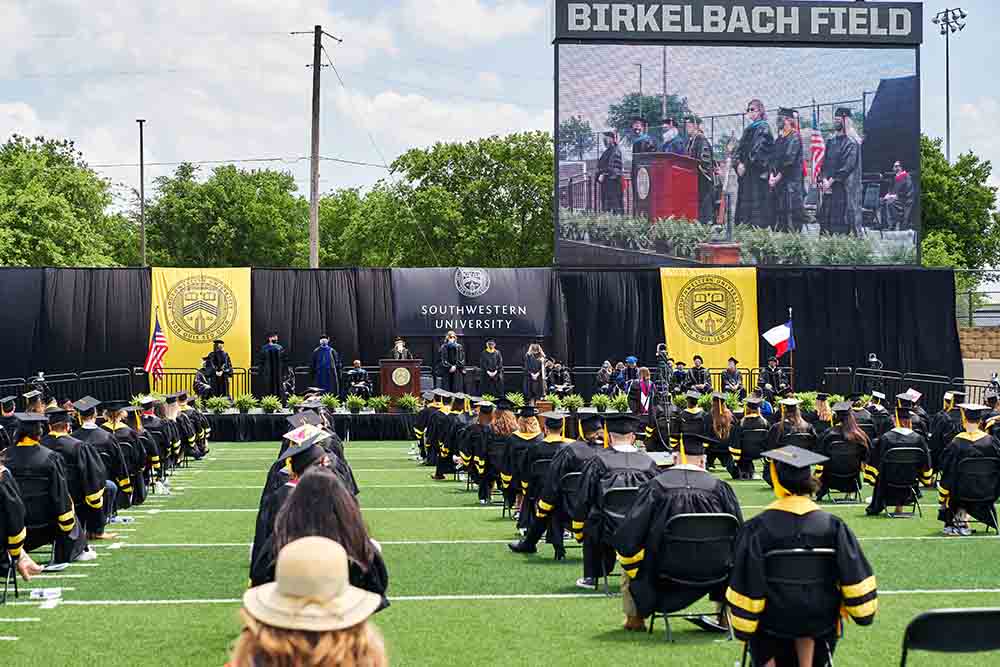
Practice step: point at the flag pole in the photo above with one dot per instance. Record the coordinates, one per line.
(791, 353)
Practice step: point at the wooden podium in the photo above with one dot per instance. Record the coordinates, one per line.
(664, 185)
(398, 377)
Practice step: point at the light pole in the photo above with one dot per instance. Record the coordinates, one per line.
(142, 194)
(950, 20)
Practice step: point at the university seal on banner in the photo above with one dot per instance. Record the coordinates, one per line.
(472, 282)
(709, 309)
(200, 309)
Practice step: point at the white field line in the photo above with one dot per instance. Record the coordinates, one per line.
(448, 598)
(46, 576)
(20, 620)
(8, 639)
(252, 471)
(366, 486)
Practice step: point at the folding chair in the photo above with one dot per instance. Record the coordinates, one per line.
(569, 488)
(615, 503)
(979, 483)
(869, 430)
(901, 473)
(953, 631)
(790, 570)
(9, 578)
(805, 440)
(695, 550)
(753, 442)
(843, 471)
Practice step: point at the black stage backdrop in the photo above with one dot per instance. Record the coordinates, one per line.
(21, 295)
(905, 316)
(89, 319)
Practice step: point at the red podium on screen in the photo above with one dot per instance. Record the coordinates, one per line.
(664, 185)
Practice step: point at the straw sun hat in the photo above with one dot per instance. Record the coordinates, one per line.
(311, 590)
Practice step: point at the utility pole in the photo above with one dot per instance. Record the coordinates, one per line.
(314, 154)
(949, 20)
(142, 195)
(664, 82)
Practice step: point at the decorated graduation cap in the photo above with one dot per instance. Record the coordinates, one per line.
(87, 405)
(786, 112)
(32, 395)
(622, 423)
(790, 402)
(304, 454)
(311, 405)
(148, 402)
(30, 418)
(791, 465)
(58, 416)
(913, 394)
(878, 395)
(553, 420)
(842, 112)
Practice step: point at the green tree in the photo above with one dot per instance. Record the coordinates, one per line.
(53, 208)
(576, 138)
(234, 218)
(649, 107)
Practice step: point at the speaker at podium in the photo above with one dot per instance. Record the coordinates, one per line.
(665, 185)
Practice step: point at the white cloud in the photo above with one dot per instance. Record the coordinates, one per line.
(19, 118)
(490, 82)
(455, 24)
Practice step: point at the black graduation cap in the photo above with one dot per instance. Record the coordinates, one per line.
(957, 394)
(8, 400)
(58, 416)
(30, 418)
(87, 404)
(622, 423)
(693, 393)
(527, 411)
(755, 401)
(794, 457)
(698, 357)
(772, 358)
(842, 112)
(843, 407)
(305, 453)
(504, 404)
(589, 419)
(32, 395)
(218, 341)
(786, 112)
(904, 411)
(854, 396)
(485, 407)
(718, 396)
(973, 411)
(693, 446)
(310, 405)
(302, 418)
(182, 396)
(114, 405)
(734, 360)
(428, 395)
(171, 399)
(822, 397)
(553, 419)
(132, 409)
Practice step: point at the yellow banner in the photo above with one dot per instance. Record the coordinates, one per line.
(712, 312)
(197, 306)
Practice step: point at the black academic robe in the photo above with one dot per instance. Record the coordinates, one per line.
(491, 374)
(114, 463)
(753, 202)
(609, 469)
(826, 483)
(741, 465)
(271, 503)
(357, 383)
(512, 474)
(765, 612)
(611, 166)
(945, 425)
(201, 384)
(692, 425)
(134, 453)
(884, 495)
(12, 527)
(85, 477)
(700, 148)
(158, 455)
(771, 376)
(48, 506)
(786, 159)
(220, 368)
(451, 355)
(679, 490)
(882, 419)
(570, 458)
(271, 362)
(8, 424)
(699, 379)
(841, 209)
(901, 209)
(966, 444)
(534, 378)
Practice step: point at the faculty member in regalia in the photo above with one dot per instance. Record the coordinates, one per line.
(451, 363)
(753, 163)
(700, 148)
(610, 170)
(326, 367)
(221, 367)
(271, 361)
(841, 179)
(785, 180)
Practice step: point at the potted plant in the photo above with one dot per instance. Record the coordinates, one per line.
(600, 402)
(244, 403)
(680, 401)
(270, 404)
(355, 403)
(293, 402)
(620, 402)
(407, 403)
(135, 399)
(517, 398)
(379, 403)
(217, 404)
(489, 398)
(330, 401)
(554, 400)
(573, 403)
(199, 404)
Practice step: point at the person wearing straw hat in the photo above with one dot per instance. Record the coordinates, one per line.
(789, 625)
(683, 489)
(971, 442)
(310, 614)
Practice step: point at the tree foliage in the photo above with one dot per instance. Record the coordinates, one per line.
(649, 107)
(576, 138)
(53, 208)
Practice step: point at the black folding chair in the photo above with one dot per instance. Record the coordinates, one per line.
(10, 577)
(843, 471)
(695, 550)
(753, 442)
(569, 490)
(978, 482)
(788, 572)
(39, 511)
(615, 503)
(953, 631)
(806, 440)
(869, 430)
(536, 477)
(901, 473)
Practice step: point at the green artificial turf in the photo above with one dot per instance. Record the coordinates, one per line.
(191, 549)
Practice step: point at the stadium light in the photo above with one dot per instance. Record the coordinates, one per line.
(950, 20)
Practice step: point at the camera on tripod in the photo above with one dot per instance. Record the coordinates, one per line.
(873, 362)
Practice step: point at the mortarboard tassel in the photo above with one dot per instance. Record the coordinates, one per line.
(779, 490)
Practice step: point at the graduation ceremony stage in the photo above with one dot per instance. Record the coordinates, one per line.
(261, 427)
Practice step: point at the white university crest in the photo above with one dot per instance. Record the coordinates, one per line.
(472, 282)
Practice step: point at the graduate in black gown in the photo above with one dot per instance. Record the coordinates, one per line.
(972, 442)
(840, 181)
(899, 202)
(86, 477)
(271, 363)
(221, 369)
(535, 382)
(8, 423)
(451, 363)
(683, 489)
(794, 624)
(901, 435)
(111, 454)
(13, 533)
(158, 454)
(532, 484)
(519, 443)
(945, 425)
(741, 465)
(491, 371)
(132, 449)
(621, 465)
(785, 180)
(753, 164)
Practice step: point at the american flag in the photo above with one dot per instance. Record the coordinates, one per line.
(817, 147)
(157, 350)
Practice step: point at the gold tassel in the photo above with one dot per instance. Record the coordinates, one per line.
(579, 428)
(779, 490)
(684, 458)
(607, 440)
(562, 430)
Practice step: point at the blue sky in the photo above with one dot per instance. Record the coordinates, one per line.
(223, 80)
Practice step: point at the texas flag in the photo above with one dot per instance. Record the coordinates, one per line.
(781, 338)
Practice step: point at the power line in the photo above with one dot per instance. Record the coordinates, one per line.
(287, 160)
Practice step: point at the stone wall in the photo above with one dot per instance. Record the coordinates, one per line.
(980, 342)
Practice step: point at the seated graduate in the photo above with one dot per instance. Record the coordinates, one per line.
(497, 475)
(945, 425)
(621, 465)
(105, 444)
(472, 446)
(789, 423)
(528, 434)
(158, 452)
(460, 417)
(321, 505)
(683, 489)
(552, 508)
(821, 416)
(438, 426)
(34, 402)
(741, 464)
(32, 464)
(422, 421)
(881, 417)
(86, 477)
(845, 428)
(719, 429)
(796, 626)
(902, 435)
(199, 423)
(992, 416)
(357, 381)
(310, 614)
(133, 451)
(12, 529)
(971, 442)
(693, 418)
(299, 457)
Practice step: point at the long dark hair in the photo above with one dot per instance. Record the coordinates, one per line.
(794, 421)
(321, 505)
(851, 431)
